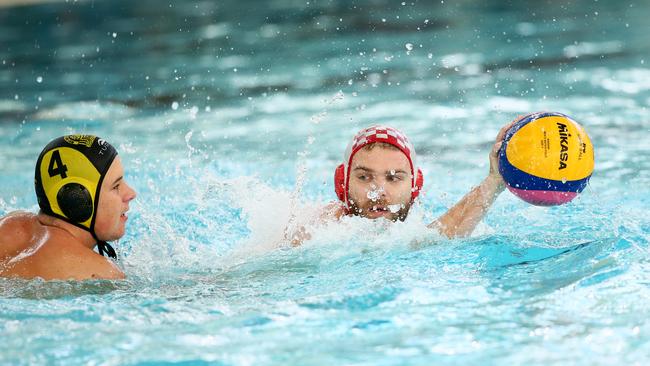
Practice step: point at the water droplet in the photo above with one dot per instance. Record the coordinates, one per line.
(375, 193)
(114, 35)
(394, 208)
(39, 79)
(175, 105)
(409, 46)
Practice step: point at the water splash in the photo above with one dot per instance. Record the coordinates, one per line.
(301, 166)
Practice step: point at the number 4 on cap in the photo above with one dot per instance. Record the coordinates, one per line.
(56, 166)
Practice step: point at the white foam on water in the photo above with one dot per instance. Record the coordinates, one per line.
(592, 48)
(10, 105)
(271, 214)
(85, 110)
(162, 250)
(628, 81)
(267, 211)
(355, 235)
(217, 30)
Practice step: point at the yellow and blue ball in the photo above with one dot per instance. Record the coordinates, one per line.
(546, 159)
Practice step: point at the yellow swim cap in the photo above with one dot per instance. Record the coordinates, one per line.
(69, 175)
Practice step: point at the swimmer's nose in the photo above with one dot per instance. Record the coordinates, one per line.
(131, 194)
(376, 193)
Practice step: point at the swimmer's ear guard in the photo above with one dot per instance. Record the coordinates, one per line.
(68, 178)
(339, 182)
(419, 182)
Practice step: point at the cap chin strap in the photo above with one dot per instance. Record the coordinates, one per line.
(104, 248)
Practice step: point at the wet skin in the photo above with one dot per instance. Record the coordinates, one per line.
(380, 183)
(39, 245)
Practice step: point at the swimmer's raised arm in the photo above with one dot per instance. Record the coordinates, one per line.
(462, 218)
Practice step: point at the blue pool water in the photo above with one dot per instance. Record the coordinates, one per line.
(231, 116)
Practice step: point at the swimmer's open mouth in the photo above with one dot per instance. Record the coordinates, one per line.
(378, 209)
(387, 208)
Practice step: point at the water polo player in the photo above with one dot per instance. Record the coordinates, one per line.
(379, 178)
(83, 200)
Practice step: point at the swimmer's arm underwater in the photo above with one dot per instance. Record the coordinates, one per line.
(461, 220)
(299, 234)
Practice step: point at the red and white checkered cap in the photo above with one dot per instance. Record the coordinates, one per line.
(385, 134)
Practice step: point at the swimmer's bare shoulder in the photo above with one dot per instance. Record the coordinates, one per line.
(30, 249)
(16, 229)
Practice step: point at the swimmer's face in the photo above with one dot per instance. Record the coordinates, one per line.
(114, 199)
(380, 183)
